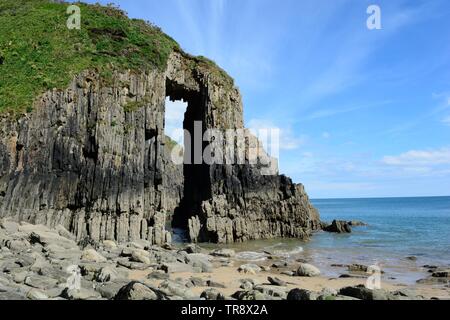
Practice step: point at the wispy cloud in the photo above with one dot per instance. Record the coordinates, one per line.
(419, 158)
(446, 120)
(330, 112)
(288, 139)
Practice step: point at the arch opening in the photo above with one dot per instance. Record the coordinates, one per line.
(196, 184)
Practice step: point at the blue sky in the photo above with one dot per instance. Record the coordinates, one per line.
(362, 113)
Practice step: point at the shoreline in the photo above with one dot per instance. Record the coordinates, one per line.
(39, 263)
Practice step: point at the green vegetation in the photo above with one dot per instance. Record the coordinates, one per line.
(170, 143)
(209, 66)
(38, 52)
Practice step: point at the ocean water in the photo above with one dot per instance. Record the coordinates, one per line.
(397, 228)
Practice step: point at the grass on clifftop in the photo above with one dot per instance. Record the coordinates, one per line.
(38, 52)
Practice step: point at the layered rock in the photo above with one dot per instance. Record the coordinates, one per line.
(92, 158)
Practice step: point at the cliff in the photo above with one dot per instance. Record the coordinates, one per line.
(89, 151)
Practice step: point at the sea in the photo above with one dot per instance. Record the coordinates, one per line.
(401, 237)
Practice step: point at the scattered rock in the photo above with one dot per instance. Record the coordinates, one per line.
(441, 274)
(247, 284)
(80, 294)
(356, 223)
(411, 258)
(363, 293)
(302, 294)
(158, 275)
(192, 248)
(36, 294)
(272, 291)
(307, 270)
(139, 291)
(172, 288)
(249, 268)
(339, 227)
(142, 256)
(212, 294)
(106, 274)
(214, 284)
(252, 295)
(41, 282)
(177, 267)
(199, 260)
(109, 244)
(358, 268)
(9, 226)
(276, 281)
(225, 253)
(327, 294)
(91, 255)
(110, 289)
(198, 282)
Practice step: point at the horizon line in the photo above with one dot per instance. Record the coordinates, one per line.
(388, 197)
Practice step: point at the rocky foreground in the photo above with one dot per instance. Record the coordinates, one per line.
(39, 263)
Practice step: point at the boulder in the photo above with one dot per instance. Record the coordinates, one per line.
(363, 293)
(178, 267)
(275, 292)
(214, 284)
(247, 284)
(90, 255)
(172, 288)
(200, 261)
(338, 227)
(252, 295)
(36, 294)
(212, 294)
(441, 274)
(356, 223)
(302, 294)
(109, 244)
(40, 282)
(358, 268)
(45, 236)
(307, 270)
(139, 291)
(192, 248)
(109, 290)
(276, 281)
(142, 256)
(158, 275)
(80, 294)
(9, 226)
(249, 268)
(106, 274)
(225, 253)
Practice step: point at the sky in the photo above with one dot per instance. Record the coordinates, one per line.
(362, 113)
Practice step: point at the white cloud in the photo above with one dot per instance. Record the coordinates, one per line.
(326, 135)
(446, 120)
(288, 140)
(419, 158)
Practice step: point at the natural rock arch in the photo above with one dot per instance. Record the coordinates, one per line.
(93, 158)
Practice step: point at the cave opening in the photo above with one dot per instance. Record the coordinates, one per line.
(196, 185)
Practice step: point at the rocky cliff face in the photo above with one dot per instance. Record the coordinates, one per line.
(92, 158)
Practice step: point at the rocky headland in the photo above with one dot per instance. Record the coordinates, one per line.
(88, 150)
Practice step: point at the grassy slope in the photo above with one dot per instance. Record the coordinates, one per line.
(38, 52)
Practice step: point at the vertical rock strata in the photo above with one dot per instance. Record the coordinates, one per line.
(93, 158)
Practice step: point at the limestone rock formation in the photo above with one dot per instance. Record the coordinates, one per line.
(93, 158)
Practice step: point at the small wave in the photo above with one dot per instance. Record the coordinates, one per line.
(288, 253)
(251, 256)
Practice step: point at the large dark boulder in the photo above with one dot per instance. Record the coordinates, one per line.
(338, 227)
